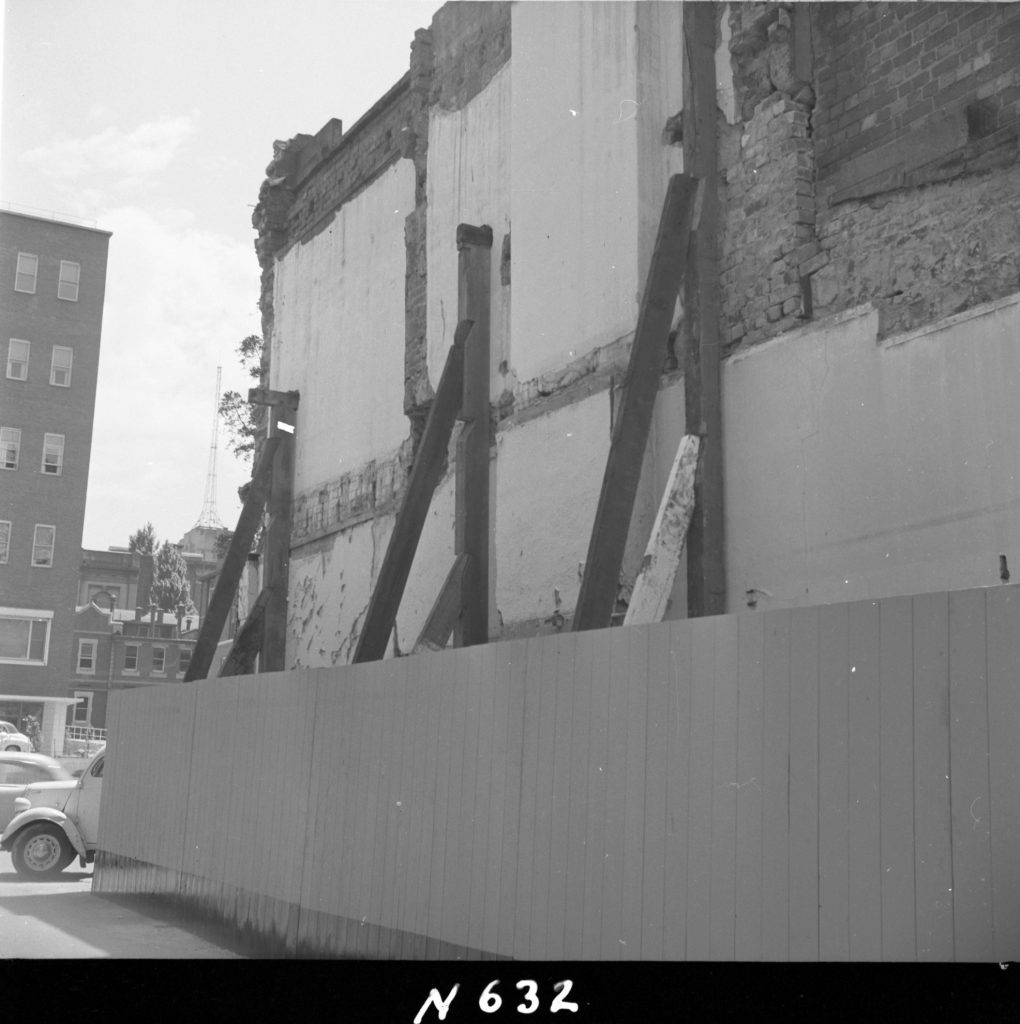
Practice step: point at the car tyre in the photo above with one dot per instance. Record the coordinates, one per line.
(13, 746)
(41, 851)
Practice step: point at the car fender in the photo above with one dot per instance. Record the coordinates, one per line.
(36, 814)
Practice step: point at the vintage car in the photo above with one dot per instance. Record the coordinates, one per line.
(54, 821)
(18, 771)
(11, 739)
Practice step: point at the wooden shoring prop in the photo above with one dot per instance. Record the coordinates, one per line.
(414, 507)
(597, 595)
(449, 604)
(241, 659)
(650, 596)
(233, 564)
(471, 521)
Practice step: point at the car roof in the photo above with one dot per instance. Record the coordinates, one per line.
(19, 755)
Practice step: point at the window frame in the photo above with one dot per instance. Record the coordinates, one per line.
(54, 367)
(16, 442)
(5, 542)
(93, 646)
(19, 273)
(76, 282)
(10, 359)
(183, 663)
(136, 649)
(60, 454)
(161, 671)
(34, 616)
(36, 545)
(82, 697)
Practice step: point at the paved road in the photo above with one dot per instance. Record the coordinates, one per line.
(63, 920)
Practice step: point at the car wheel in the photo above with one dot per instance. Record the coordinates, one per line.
(13, 746)
(41, 851)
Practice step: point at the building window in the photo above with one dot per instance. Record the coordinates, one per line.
(24, 636)
(10, 447)
(42, 546)
(83, 709)
(60, 366)
(17, 359)
(28, 269)
(5, 541)
(158, 660)
(53, 454)
(67, 286)
(131, 657)
(87, 657)
(183, 660)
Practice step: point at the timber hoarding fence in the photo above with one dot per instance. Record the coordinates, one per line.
(833, 782)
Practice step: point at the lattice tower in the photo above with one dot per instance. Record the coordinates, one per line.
(209, 519)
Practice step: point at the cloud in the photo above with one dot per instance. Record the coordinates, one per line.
(147, 149)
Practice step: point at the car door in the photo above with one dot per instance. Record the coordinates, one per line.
(87, 810)
(14, 777)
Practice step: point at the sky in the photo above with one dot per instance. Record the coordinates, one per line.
(156, 121)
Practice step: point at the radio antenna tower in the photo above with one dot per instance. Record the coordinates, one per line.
(209, 518)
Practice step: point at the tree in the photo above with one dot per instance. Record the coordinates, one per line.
(170, 578)
(143, 540)
(241, 418)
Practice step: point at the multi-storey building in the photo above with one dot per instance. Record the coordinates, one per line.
(52, 287)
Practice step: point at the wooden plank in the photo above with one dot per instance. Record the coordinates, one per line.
(678, 768)
(613, 938)
(896, 714)
(429, 669)
(276, 552)
(515, 675)
(750, 775)
(654, 824)
(833, 784)
(1003, 611)
(595, 823)
(775, 837)
(699, 813)
(241, 659)
(233, 563)
(526, 839)
(933, 860)
(416, 737)
(414, 505)
(442, 619)
(563, 686)
(577, 807)
(597, 595)
(474, 799)
(865, 804)
(634, 791)
(394, 746)
(804, 784)
(973, 930)
(649, 597)
(544, 808)
(492, 743)
(471, 527)
(446, 688)
(484, 833)
(706, 578)
(724, 790)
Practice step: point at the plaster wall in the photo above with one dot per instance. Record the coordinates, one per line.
(857, 469)
(338, 335)
(468, 184)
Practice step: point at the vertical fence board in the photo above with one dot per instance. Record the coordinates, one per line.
(416, 737)
(484, 852)
(699, 814)
(529, 794)
(833, 784)
(544, 805)
(804, 630)
(678, 768)
(577, 810)
(1003, 609)
(515, 678)
(653, 821)
(616, 795)
(430, 669)
(634, 792)
(724, 789)
(598, 760)
(446, 691)
(750, 683)
(896, 654)
(493, 743)
(865, 806)
(933, 862)
(563, 684)
(396, 875)
(974, 938)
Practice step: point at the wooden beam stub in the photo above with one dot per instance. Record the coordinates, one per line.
(267, 396)
(443, 618)
(241, 659)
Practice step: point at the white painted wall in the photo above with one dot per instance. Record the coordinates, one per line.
(858, 469)
(468, 183)
(338, 334)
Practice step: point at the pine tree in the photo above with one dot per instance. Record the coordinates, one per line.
(143, 540)
(170, 579)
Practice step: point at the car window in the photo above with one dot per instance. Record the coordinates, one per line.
(21, 774)
(97, 769)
